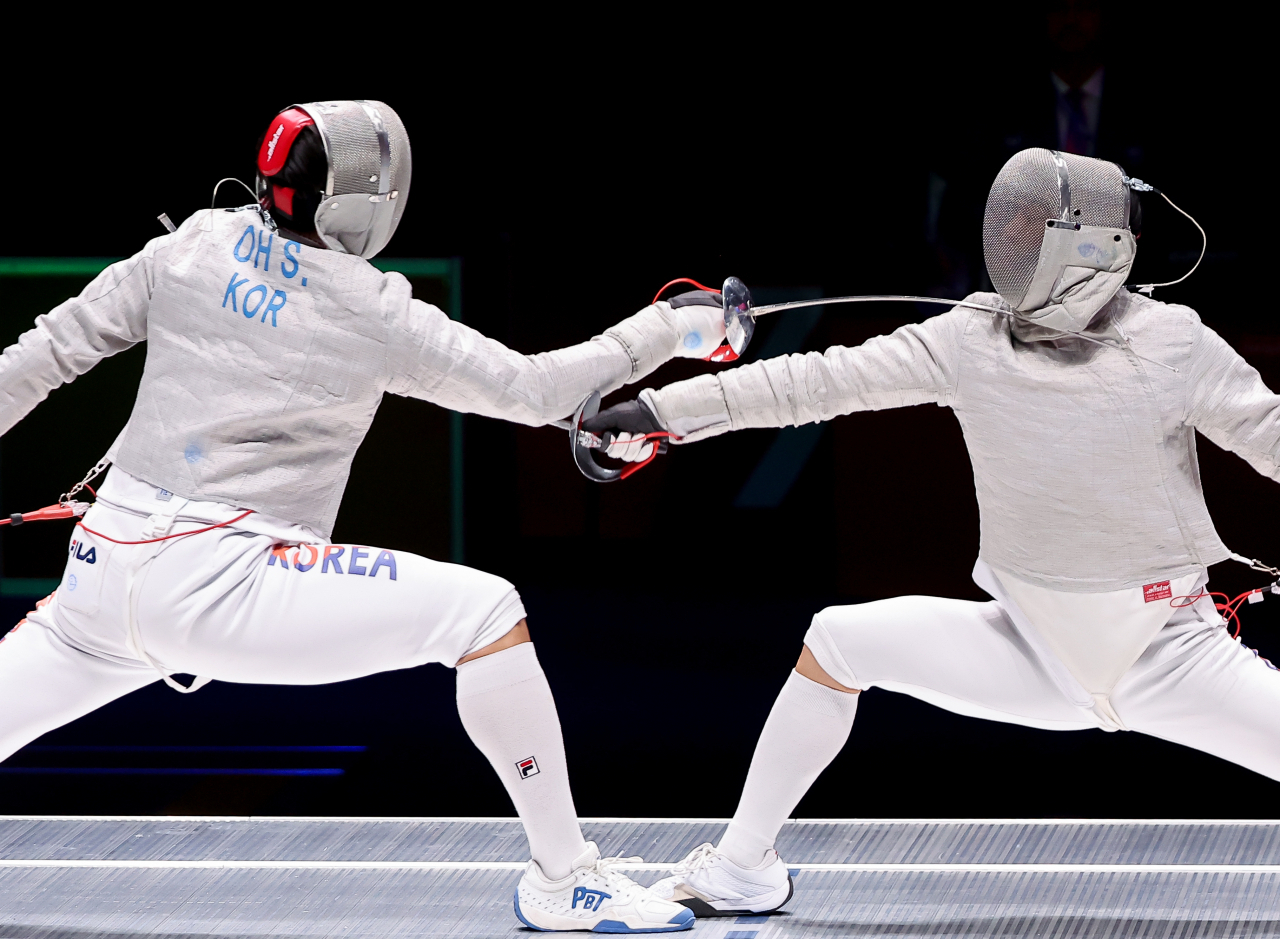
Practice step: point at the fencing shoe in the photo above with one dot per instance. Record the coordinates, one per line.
(710, 884)
(597, 898)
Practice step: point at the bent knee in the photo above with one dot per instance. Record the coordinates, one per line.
(807, 667)
(824, 641)
(504, 613)
(845, 640)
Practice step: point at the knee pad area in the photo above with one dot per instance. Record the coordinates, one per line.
(846, 639)
(825, 643)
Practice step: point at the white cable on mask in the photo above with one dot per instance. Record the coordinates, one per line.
(1138, 185)
(266, 216)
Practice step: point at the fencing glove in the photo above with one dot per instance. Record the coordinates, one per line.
(699, 319)
(628, 423)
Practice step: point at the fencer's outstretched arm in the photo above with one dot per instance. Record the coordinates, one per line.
(427, 354)
(108, 316)
(1219, 393)
(1228, 402)
(448, 363)
(913, 365)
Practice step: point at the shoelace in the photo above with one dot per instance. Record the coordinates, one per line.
(606, 867)
(698, 859)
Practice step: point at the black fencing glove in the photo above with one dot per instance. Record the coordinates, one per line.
(626, 424)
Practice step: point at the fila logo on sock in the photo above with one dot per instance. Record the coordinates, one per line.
(528, 767)
(1158, 591)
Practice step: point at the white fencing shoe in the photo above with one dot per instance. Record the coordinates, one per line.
(710, 884)
(595, 898)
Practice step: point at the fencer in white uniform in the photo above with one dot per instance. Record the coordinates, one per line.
(270, 342)
(1079, 403)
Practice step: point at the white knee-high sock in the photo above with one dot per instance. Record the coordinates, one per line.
(807, 727)
(506, 706)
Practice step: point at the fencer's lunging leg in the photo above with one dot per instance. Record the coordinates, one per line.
(506, 706)
(1196, 686)
(284, 615)
(807, 727)
(45, 683)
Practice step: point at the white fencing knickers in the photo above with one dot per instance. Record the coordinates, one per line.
(244, 603)
(1193, 685)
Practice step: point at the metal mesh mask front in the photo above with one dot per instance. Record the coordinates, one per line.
(1028, 191)
(369, 172)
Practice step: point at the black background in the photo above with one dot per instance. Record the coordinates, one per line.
(575, 163)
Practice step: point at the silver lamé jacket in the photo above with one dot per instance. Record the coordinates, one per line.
(266, 360)
(1084, 456)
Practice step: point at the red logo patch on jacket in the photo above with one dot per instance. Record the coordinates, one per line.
(1158, 591)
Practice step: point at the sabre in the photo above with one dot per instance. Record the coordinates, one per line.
(740, 323)
(740, 313)
(585, 437)
(583, 442)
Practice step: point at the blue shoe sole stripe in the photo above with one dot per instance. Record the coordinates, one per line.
(520, 916)
(613, 926)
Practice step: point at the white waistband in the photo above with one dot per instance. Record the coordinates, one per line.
(127, 493)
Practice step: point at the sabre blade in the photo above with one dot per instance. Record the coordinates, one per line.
(1011, 314)
(797, 304)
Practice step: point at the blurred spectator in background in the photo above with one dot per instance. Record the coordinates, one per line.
(1076, 71)
(1074, 93)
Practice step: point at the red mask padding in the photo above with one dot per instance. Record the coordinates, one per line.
(282, 198)
(279, 140)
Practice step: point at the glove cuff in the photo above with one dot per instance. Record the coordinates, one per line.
(692, 410)
(650, 413)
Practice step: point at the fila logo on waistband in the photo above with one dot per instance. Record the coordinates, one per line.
(1158, 591)
(80, 554)
(528, 767)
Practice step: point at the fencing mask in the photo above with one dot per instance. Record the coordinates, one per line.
(1057, 236)
(369, 168)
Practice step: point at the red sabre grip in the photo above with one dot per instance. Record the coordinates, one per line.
(47, 514)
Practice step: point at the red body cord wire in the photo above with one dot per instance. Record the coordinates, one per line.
(181, 534)
(682, 280)
(1229, 607)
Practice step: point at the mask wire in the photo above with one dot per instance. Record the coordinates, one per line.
(1204, 244)
(213, 200)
